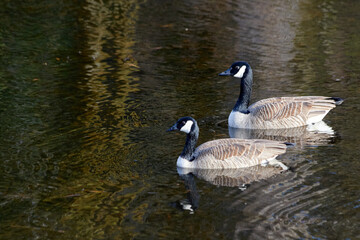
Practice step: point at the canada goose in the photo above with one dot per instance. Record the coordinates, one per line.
(273, 113)
(225, 153)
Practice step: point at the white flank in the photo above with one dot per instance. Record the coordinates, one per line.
(240, 73)
(317, 118)
(187, 127)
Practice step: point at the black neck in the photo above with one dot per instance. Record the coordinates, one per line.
(191, 139)
(243, 101)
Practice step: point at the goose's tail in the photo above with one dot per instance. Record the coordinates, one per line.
(337, 100)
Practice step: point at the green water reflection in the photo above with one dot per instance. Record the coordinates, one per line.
(87, 90)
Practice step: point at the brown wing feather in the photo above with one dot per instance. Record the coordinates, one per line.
(222, 149)
(280, 110)
(290, 99)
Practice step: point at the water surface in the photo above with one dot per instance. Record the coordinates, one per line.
(88, 89)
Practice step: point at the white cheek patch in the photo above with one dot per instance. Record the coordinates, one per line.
(187, 127)
(240, 73)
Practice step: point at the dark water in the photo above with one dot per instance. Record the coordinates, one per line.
(88, 88)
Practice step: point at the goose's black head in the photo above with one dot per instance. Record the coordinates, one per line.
(237, 69)
(184, 124)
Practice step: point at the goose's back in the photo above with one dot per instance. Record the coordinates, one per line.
(236, 153)
(288, 112)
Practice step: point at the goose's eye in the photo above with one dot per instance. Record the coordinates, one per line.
(183, 122)
(237, 67)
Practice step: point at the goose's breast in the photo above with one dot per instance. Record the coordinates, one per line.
(184, 163)
(239, 120)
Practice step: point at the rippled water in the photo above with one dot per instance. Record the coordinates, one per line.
(88, 89)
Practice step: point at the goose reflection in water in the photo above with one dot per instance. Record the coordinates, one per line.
(240, 178)
(316, 134)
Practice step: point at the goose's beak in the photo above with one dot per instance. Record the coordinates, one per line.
(226, 73)
(173, 128)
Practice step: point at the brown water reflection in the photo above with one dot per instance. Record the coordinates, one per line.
(107, 118)
(88, 89)
(302, 137)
